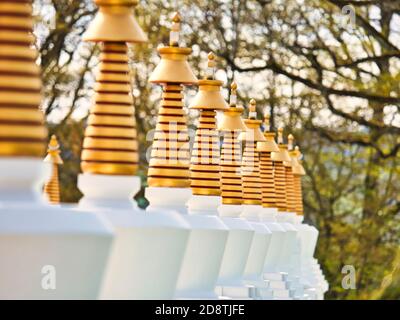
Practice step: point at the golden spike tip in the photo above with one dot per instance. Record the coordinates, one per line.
(267, 122)
(280, 135)
(233, 98)
(211, 64)
(252, 109)
(176, 18)
(175, 29)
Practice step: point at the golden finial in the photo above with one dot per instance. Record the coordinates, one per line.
(175, 30)
(251, 180)
(290, 142)
(110, 144)
(52, 187)
(266, 149)
(22, 130)
(211, 64)
(173, 67)
(252, 106)
(267, 122)
(170, 155)
(205, 160)
(280, 135)
(53, 151)
(233, 97)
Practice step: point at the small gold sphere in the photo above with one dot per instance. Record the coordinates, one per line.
(233, 86)
(290, 137)
(211, 56)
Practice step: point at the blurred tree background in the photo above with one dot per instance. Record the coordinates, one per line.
(327, 70)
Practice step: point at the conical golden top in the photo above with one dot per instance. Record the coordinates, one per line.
(115, 21)
(253, 132)
(205, 161)
(53, 151)
(231, 177)
(209, 96)
(173, 67)
(52, 187)
(232, 120)
(269, 145)
(22, 130)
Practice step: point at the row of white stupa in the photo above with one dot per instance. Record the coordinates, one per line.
(108, 248)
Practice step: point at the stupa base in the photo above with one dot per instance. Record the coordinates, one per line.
(237, 248)
(162, 199)
(46, 252)
(204, 253)
(277, 284)
(238, 292)
(143, 243)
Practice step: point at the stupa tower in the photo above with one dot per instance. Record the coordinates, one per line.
(170, 156)
(205, 162)
(52, 187)
(251, 179)
(265, 149)
(298, 173)
(280, 173)
(22, 131)
(290, 192)
(110, 143)
(231, 177)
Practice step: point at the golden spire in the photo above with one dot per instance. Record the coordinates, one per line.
(279, 172)
(173, 67)
(251, 179)
(22, 131)
(110, 144)
(52, 187)
(298, 172)
(265, 148)
(290, 192)
(231, 177)
(170, 155)
(205, 162)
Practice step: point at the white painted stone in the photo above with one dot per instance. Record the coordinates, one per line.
(205, 249)
(149, 247)
(230, 279)
(46, 252)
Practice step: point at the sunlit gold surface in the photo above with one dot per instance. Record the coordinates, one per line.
(52, 187)
(173, 67)
(169, 162)
(115, 21)
(209, 96)
(110, 144)
(298, 172)
(251, 179)
(205, 161)
(265, 148)
(231, 177)
(22, 131)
